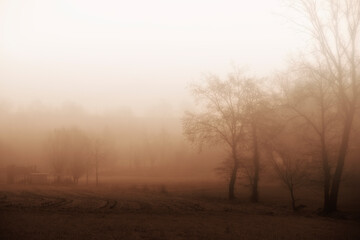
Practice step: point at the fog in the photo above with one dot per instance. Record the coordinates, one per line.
(133, 54)
(178, 120)
(97, 66)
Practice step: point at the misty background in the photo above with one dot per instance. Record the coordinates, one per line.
(133, 55)
(121, 71)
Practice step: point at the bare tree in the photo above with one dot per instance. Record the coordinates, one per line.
(287, 153)
(220, 121)
(98, 152)
(68, 149)
(256, 112)
(312, 102)
(58, 151)
(79, 153)
(292, 170)
(334, 26)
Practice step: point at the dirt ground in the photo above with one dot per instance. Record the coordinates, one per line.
(159, 212)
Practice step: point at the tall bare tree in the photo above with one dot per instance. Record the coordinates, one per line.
(310, 102)
(220, 119)
(334, 26)
(256, 115)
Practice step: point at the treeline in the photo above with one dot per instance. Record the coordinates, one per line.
(306, 124)
(71, 143)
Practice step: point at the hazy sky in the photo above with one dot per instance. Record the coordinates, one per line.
(107, 54)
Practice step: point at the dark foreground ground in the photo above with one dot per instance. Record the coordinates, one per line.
(155, 212)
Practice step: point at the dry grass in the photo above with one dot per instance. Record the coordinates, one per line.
(177, 211)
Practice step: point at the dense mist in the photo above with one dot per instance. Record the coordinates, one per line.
(132, 146)
(179, 120)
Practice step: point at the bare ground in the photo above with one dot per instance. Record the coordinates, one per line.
(155, 212)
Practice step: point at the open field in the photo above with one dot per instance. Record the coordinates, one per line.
(157, 212)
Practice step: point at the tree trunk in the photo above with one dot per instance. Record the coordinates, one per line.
(293, 201)
(255, 193)
(58, 179)
(87, 174)
(96, 173)
(327, 177)
(76, 179)
(340, 165)
(324, 155)
(326, 204)
(233, 180)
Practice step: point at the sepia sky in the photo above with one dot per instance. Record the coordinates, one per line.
(136, 54)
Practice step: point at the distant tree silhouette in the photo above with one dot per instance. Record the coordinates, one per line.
(222, 118)
(98, 152)
(68, 149)
(257, 114)
(58, 150)
(290, 161)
